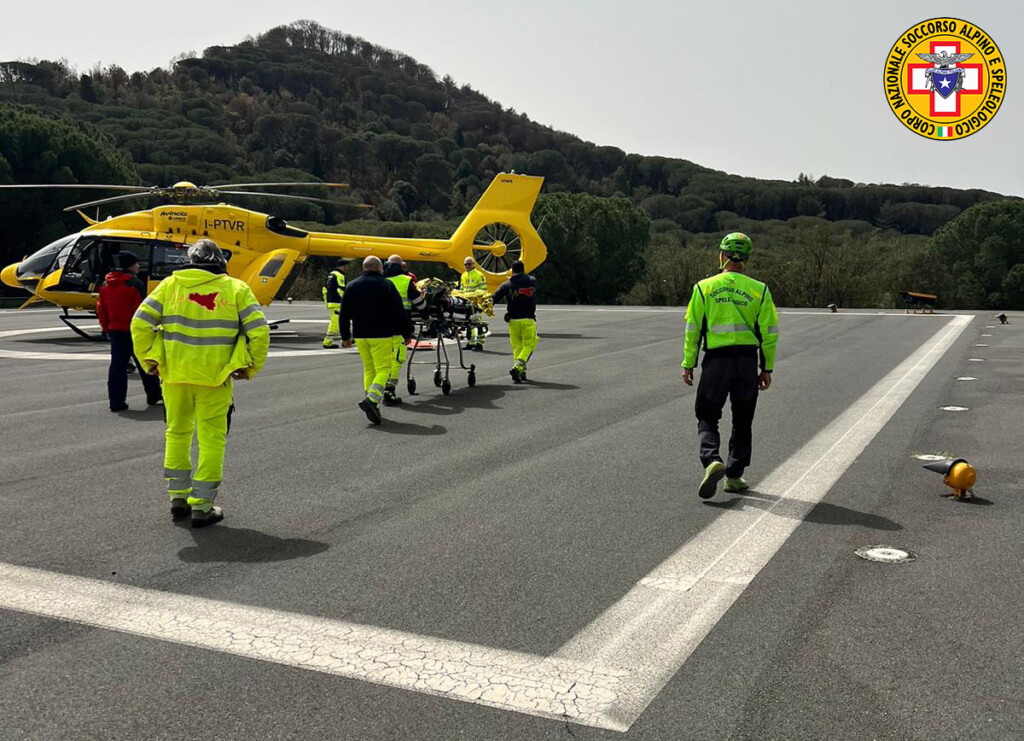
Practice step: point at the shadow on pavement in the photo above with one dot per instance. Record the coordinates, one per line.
(392, 427)
(479, 397)
(219, 543)
(144, 414)
(552, 385)
(823, 513)
(981, 501)
(567, 336)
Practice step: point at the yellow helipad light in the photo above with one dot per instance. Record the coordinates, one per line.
(959, 475)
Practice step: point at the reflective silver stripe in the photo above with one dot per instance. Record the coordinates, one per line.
(145, 316)
(254, 324)
(205, 489)
(724, 328)
(187, 339)
(376, 387)
(691, 327)
(773, 330)
(199, 323)
(247, 311)
(174, 484)
(153, 304)
(169, 472)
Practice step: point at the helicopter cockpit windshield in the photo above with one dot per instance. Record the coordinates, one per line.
(40, 263)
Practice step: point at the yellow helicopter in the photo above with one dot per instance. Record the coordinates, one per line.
(262, 250)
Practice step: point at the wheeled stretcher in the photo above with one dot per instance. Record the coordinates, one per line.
(445, 320)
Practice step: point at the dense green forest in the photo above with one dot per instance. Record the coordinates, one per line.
(305, 102)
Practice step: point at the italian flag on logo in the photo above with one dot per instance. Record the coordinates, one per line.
(944, 132)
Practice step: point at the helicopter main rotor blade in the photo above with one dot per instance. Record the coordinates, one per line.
(114, 199)
(140, 188)
(280, 185)
(294, 198)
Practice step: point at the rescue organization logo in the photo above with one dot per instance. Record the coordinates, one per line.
(945, 78)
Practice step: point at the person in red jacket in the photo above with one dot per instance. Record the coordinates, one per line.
(120, 296)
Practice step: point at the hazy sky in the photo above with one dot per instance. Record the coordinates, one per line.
(767, 89)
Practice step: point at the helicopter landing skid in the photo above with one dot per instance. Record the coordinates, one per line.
(69, 322)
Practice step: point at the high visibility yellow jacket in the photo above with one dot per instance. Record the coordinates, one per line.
(731, 310)
(473, 280)
(199, 327)
(334, 288)
(402, 282)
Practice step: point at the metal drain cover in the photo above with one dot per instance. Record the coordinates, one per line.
(885, 554)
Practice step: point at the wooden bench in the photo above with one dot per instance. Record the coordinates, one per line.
(923, 302)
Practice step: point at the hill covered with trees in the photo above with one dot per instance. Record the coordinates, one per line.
(302, 101)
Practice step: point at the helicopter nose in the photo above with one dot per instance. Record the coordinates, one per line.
(9, 275)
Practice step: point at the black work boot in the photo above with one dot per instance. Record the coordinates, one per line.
(371, 411)
(390, 398)
(180, 508)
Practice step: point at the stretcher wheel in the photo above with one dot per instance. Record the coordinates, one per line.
(411, 385)
(438, 378)
(471, 380)
(446, 387)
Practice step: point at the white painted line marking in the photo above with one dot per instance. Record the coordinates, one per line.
(655, 627)
(976, 360)
(535, 685)
(967, 378)
(986, 335)
(105, 356)
(930, 457)
(953, 409)
(981, 345)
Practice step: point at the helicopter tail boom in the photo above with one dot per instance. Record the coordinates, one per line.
(496, 233)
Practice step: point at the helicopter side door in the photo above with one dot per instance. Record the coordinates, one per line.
(91, 258)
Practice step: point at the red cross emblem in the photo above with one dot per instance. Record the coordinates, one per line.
(940, 106)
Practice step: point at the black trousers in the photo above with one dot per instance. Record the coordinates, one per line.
(734, 378)
(121, 349)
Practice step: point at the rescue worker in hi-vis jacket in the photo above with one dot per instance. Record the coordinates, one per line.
(199, 330)
(333, 290)
(520, 291)
(396, 271)
(734, 318)
(473, 280)
(372, 312)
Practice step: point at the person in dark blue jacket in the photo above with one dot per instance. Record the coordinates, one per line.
(520, 292)
(372, 312)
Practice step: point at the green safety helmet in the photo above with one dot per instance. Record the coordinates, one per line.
(736, 246)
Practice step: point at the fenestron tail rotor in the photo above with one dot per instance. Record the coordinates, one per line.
(496, 246)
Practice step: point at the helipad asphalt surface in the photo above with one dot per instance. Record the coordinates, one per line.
(542, 541)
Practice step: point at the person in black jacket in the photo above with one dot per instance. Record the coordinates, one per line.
(520, 291)
(372, 312)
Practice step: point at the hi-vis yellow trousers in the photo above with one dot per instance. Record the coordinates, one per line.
(375, 353)
(522, 333)
(333, 332)
(399, 352)
(206, 411)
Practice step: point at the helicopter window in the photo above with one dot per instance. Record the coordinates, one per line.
(138, 248)
(167, 258)
(62, 256)
(39, 263)
(272, 268)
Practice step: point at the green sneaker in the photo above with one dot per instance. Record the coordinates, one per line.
(712, 475)
(734, 485)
